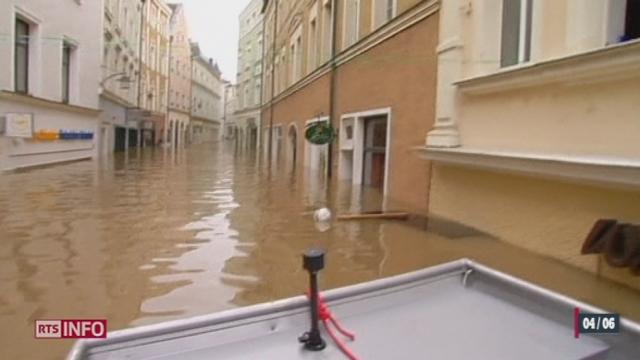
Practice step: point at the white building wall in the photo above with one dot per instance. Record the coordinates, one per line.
(51, 25)
(49, 29)
(120, 61)
(207, 98)
(249, 76)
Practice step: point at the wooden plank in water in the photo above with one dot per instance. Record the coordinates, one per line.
(372, 215)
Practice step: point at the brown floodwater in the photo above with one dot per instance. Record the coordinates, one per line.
(156, 235)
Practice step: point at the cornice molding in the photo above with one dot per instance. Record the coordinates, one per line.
(605, 64)
(33, 100)
(612, 171)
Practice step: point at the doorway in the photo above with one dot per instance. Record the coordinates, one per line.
(293, 145)
(133, 138)
(253, 137)
(120, 139)
(375, 151)
(103, 142)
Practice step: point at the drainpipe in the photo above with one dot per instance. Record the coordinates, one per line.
(262, 72)
(141, 41)
(166, 120)
(273, 80)
(191, 56)
(333, 82)
(224, 113)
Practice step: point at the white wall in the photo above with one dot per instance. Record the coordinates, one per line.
(208, 89)
(50, 27)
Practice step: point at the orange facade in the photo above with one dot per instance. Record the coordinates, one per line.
(390, 73)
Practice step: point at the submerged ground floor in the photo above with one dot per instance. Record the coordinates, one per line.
(157, 234)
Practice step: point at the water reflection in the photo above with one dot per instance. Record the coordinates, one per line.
(157, 235)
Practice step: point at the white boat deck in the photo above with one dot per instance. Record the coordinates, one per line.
(428, 314)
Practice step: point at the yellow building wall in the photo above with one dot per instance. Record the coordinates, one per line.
(600, 119)
(545, 216)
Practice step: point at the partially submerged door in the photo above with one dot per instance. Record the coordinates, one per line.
(120, 139)
(375, 151)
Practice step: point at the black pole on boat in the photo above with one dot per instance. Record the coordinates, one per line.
(313, 262)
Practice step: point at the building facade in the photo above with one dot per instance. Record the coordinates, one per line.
(537, 125)
(207, 91)
(366, 67)
(249, 76)
(230, 108)
(151, 114)
(177, 129)
(49, 76)
(120, 68)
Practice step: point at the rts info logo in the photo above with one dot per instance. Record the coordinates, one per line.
(70, 329)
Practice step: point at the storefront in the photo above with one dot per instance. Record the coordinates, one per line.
(39, 132)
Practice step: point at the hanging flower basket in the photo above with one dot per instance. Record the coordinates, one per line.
(320, 133)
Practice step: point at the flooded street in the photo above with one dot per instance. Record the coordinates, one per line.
(155, 235)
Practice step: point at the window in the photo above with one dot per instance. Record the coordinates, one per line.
(283, 68)
(21, 57)
(326, 30)
(66, 71)
(296, 55)
(313, 45)
(116, 62)
(351, 22)
(246, 95)
(126, 21)
(516, 32)
(632, 21)
(383, 12)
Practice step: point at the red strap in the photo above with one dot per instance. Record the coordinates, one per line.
(325, 315)
(341, 345)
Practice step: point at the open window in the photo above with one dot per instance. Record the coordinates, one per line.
(516, 32)
(623, 20)
(632, 21)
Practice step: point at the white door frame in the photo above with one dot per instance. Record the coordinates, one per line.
(358, 143)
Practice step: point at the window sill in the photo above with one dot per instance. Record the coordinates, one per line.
(595, 169)
(605, 64)
(34, 100)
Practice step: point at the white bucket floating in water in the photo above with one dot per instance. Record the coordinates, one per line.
(322, 215)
